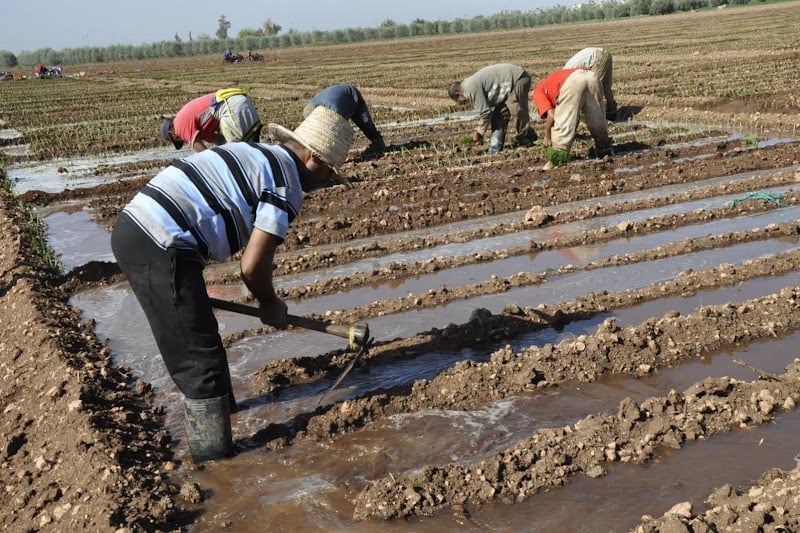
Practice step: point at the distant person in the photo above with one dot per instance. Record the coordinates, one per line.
(346, 100)
(599, 61)
(207, 207)
(561, 98)
(226, 115)
(499, 93)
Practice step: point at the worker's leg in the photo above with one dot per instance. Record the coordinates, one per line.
(594, 114)
(604, 70)
(500, 118)
(518, 106)
(567, 112)
(169, 286)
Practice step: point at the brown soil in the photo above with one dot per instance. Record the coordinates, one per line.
(83, 446)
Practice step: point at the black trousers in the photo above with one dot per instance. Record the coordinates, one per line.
(170, 288)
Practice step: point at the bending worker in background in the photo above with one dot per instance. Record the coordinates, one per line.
(226, 115)
(561, 98)
(207, 207)
(599, 61)
(499, 93)
(346, 100)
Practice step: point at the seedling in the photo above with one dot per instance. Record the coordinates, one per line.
(559, 158)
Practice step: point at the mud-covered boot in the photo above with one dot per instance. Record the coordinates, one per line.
(208, 428)
(496, 141)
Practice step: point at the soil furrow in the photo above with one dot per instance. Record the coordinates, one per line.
(551, 456)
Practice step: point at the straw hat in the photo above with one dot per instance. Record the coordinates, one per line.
(325, 132)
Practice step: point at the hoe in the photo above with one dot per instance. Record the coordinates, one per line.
(356, 334)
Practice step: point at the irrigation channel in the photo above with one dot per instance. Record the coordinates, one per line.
(308, 460)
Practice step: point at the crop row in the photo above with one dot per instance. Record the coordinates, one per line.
(117, 107)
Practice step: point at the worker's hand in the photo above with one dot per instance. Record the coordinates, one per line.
(546, 141)
(477, 138)
(273, 313)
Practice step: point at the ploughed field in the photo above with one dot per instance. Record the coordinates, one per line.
(489, 285)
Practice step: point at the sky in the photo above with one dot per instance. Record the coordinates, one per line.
(29, 25)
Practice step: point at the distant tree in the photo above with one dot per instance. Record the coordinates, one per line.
(270, 28)
(388, 23)
(640, 7)
(250, 32)
(178, 38)
(401, 30)
(7, 59)
(190, 36)
(173, 49)
(224, 26)
(661, 7)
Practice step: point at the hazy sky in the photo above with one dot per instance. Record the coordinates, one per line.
(27, 25)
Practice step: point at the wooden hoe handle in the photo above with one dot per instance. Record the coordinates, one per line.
(356, 334)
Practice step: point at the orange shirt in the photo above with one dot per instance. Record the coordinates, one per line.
(545, 95)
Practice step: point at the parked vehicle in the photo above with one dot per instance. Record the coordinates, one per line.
(48, 72)
(228, 57)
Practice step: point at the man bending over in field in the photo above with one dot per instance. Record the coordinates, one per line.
(560, 98)
(207, 207)
(346, 100)
(226, 115)
(498, 93)
(599, 61)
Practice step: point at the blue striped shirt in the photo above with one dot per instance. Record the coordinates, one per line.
(210, 201)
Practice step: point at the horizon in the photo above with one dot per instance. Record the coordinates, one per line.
(134, 24)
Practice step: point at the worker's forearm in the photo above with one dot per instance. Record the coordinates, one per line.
(259, 283)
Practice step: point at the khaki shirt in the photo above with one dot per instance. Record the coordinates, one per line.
(488, 88)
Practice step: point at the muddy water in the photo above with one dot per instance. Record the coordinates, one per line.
(77, 239)
(79, 172)
(309, 485)
(302, 487)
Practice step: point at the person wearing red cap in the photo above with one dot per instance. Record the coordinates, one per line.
(227, 115)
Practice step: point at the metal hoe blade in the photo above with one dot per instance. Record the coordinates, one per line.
(362, 350)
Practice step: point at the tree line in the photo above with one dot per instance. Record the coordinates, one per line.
(269, 36)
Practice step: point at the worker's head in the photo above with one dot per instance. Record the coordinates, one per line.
(168, 133)
(457, 93)
(324, 137)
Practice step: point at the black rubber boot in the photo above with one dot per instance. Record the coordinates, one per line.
(208, 428)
